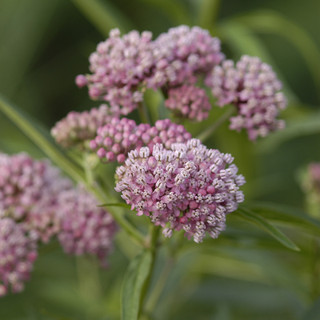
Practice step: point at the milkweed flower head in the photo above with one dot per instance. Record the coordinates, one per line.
(18, 251)
(186, 186)
(188, 101)
(181, 54)
(85, 227)
(29, 193)
(78, 127)
(252, 86)
(123, 67)
(119, 67)
(115, 139)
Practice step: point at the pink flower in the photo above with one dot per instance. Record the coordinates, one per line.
(119, 67)
(186, 186)
(18, 251)
(29, 193)
(189, 102)
(115, 139)
(79, 127)
(181, 54)
(254, 89)
(85, 227)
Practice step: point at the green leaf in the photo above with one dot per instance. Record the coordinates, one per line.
(134, 280)
(285, 215)
(123, 205)
(41, 138)
(174, 10)
(103, 15)
(208, 11)
(269, 21)
(294, 129)
(242, 41)
(254, 218)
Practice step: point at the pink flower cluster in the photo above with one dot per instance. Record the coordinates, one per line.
(181, 54)
(18, 251)
(123, 67)
(117, 138)
(189, 101)
(29, 192)
(37, 203)
(185, 187)
(254, 89)
(78, 127)
(85, 227)
(119, 67)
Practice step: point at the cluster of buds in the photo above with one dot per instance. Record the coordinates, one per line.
(119, 67)
(29, 192)
(185, 187)
(37, 203)
(79, 127)
(18, 251)
(254, 89)
(124, 67)
(181, 54)
(189, 101)
(85, 227)
(117, 138)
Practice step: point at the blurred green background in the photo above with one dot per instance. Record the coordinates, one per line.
(244, 274)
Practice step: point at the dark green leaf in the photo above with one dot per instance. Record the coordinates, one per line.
(285, 215)
(173, 9)
(103, 15)
(297, 128)
(269, 21)
(265, 225)
(134, 280)
(40, 137)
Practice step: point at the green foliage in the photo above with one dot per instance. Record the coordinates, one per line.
(133, 285)
(246, 270)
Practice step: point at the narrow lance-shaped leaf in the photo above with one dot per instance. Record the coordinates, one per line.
(294, 129)
(268, 21)
(286, 215)
(134, 280)
(265, 225)
(38, 135)
(103, 15)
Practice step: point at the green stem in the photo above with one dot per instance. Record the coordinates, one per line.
(41, 141)
(163, 278)
(123, 223)
(210, 130)
(87, 169)
(64, 163)
(159, 286)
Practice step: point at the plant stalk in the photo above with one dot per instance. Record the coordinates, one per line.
(203, 136)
